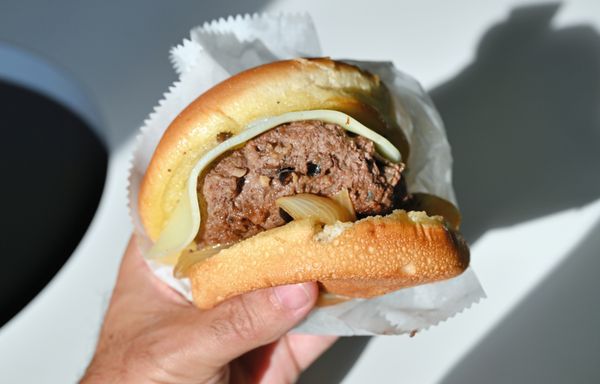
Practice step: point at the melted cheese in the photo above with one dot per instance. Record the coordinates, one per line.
(184, 223)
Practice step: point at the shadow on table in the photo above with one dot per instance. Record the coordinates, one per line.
(524, 123)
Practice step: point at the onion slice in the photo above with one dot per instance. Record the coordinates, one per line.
(326, 299)
(307, 205)
(187, 259)
(343, 198)
(434, 205)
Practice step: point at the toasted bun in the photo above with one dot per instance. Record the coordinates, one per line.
(268, 90)
(370, 257)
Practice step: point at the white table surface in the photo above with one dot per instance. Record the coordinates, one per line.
(536, 245)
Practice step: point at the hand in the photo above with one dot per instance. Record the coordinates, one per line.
(152, 334)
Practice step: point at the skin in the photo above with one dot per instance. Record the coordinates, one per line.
(151, 334)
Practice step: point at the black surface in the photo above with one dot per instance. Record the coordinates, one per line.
(53, 172)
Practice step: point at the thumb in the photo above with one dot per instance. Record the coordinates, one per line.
(249, 321)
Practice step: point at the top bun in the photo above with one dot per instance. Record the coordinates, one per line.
(261, 92)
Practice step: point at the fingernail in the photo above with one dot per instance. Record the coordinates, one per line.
(292, 296)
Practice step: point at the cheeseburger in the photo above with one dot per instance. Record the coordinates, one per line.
(290, 172)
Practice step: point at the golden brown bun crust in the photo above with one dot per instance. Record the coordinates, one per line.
(268, 90)
(370, 257)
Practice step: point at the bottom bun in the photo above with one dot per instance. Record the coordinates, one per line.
(367, 258)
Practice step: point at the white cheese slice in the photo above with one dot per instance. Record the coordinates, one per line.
(184, 223)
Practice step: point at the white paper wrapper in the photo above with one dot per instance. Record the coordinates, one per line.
(223, 48)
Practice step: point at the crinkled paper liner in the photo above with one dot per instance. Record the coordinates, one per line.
(223, 48)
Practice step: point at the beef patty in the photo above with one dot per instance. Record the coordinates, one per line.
(240, 189)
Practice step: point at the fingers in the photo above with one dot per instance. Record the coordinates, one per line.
(252, 320)
(285, 360)
(306, 348)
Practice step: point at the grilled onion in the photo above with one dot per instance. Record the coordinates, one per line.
(307, 205)
(343, 198)
(434, 205)
(187, 259)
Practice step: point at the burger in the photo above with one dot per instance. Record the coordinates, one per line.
(290, 172)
